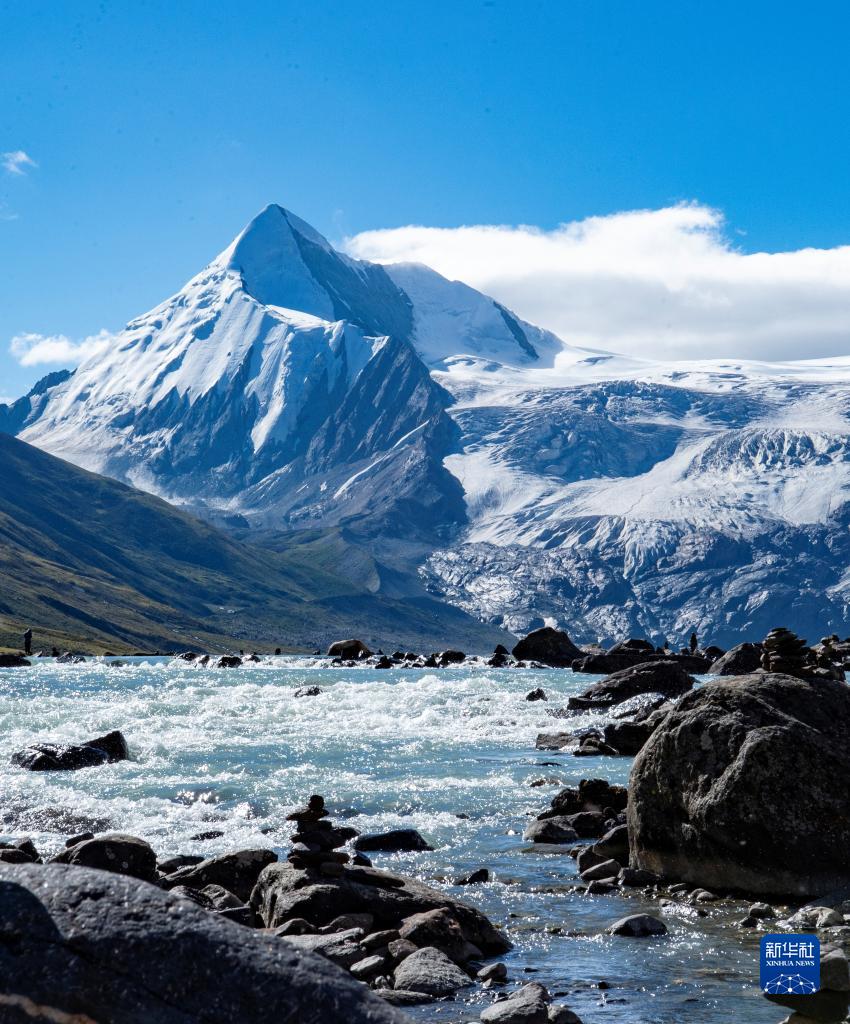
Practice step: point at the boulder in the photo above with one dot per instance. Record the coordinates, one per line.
(431, 972)
(528, 1005)
(349, 650)
(755, 806)
(307, 691)
(627, 737)
(439, 929)
(551, 830)
(284, 891)
(229, 661)
(394, 841)
(738, 661)
(614, 844)
(549, 647)
(638, 926)
(341, 948)
(115, 852)
(664, 677)
(13, 661)
(54, 757)
(237, 872)
(111, 949)
(536, 694)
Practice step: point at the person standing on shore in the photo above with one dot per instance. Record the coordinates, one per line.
(27, 641)
(694, 643)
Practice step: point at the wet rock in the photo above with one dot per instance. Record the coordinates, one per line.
(554, 740)
(398, 997)
(761, 911)
(54, 757)
(451, 658)
(663, 677)
(475, 878)
(307, 691)
(70, 659)
(228, 661)
(383, 662)
(115, 852)
(529, 1005)
(548, 646)
(604, 870)
(834, 969)
(237, 872)
(165, 867)
(203, 837)
(20, 851)
(588, 858)
(349, 650)
(601, 887)
(399, 839)
(638, 926)
(13, 661)
(430, 971)
(738, 661)
(551, 830)
(755, 807)
(636, 878)
(537, 694)
(114, 949)
(496, 973)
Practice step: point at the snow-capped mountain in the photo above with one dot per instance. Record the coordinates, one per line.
(529, 481)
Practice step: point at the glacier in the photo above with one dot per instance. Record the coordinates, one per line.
(289, 388)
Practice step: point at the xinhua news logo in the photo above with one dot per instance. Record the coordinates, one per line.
(790, 965)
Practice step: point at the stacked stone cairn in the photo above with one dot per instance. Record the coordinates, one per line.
(785, 652)
(317, 842)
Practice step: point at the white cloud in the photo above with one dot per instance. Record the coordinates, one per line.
(17, 161)
(656, 283)
(34, 349)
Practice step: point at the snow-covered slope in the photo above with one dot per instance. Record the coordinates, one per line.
(299, 388)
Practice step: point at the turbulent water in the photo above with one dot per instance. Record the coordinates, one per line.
(450, 753)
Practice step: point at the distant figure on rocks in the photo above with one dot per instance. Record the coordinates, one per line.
(694, 643)
(27, 641)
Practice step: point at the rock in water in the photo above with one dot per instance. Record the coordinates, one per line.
(349, 650)
(549, 646)
(397, 839)
(13, 661)
(55, 757)
(738, 661)
(738, 788)
(665, 677)
(110, 949)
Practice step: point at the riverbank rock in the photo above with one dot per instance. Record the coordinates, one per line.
(638, 926)
(549, 647)
(115, 852)
(739, 661)
(111, 949)
(737, 788)
(56, 757)
(284, 891)
(667, 678)
(431, 972)
(349, 650)
(236, 872)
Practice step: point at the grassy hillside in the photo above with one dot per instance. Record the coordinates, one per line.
(86, 561)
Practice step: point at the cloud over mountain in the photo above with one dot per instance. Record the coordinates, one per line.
(656, 283)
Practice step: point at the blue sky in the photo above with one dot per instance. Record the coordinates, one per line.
(156, 130)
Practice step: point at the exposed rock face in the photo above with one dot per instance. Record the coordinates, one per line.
(738, 661)
(665, 677)
(114, 950)
(349, 650)
(738, 788)
(284, 891)
(548, 646)
(54, 757)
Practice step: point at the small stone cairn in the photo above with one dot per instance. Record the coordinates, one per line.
(317, 841)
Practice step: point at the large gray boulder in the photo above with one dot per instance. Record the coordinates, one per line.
(111, 949)
(284, 891)
(665, 677)
(738, 661)
(237, 872)
(548, 646)
(744, 786)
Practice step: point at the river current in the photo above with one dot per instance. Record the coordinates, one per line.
(450, 752)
